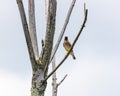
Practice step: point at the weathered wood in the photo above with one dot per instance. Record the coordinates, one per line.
(26, 33)
(50, 30)
(54, 79)
(32, 27)
(38, 87)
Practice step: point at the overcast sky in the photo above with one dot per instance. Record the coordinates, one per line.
(96, 70)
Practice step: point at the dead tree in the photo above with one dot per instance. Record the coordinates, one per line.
(40, 63)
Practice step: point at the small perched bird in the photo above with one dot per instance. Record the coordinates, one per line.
(67, 46)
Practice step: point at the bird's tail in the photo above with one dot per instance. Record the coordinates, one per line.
(73, 55)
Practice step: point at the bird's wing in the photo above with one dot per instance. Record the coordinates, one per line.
(67, 45)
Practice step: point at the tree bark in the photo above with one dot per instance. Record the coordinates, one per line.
(38, 87)
(50, 29)
(38, 84)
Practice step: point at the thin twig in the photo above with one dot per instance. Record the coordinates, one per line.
(83, 25)
(84, 8)
(62, 80)
(63, 29)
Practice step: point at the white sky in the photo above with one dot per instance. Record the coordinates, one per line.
(96, 71)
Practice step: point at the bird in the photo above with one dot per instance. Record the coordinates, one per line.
(67, 47)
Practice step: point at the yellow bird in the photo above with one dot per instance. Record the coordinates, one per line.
(67, 46)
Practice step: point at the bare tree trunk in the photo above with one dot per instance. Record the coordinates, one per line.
(39, 72)
(38, 84)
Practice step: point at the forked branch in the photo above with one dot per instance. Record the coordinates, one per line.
(26, 32)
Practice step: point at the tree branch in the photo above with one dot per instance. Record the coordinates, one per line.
(26, 32)
(32, 26)
(50, 29)
(46, 8)
(63, 29)
(83, 25)
(54, 79)
(61, 80)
